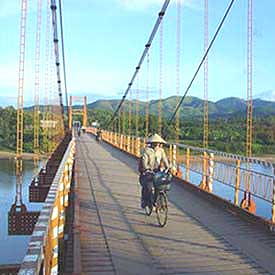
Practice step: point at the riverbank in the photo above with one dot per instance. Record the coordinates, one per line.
(11, 155)
(269, 158)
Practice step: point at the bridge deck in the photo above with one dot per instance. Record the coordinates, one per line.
(117, 238)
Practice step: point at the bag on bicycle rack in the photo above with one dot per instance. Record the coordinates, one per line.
(162, 181)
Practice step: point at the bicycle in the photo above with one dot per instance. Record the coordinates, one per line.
(162, 183)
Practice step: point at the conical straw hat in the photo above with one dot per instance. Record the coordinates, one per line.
(155, 138)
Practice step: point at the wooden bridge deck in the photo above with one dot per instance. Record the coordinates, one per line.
(117, 238)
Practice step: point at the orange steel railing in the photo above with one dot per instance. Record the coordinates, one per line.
(42, 254)
(214, 170)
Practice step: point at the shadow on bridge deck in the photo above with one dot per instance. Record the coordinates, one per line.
(117, 238)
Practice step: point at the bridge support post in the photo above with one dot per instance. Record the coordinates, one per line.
(54, 239)
(210, 172)
(122, 143)
(115, 139)
(174, 155)
(237, 182)
(204, 182)
(133, 145)
(170, 152)
(204, 168)
(61, 203)
(137, 147)
(187, 167)
(128, 143)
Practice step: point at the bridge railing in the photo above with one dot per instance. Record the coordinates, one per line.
(42, 253)
(245, 182)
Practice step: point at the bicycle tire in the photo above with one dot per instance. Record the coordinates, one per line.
(162, 209)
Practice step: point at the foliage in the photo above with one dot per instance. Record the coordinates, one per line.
(226, 133)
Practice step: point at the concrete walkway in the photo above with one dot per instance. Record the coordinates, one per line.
(116, 237)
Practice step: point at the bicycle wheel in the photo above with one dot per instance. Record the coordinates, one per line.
(162, 209)
(149, 206)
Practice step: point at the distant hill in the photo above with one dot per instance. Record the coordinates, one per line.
(193, 107)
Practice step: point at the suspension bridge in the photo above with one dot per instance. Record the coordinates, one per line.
(221, 205)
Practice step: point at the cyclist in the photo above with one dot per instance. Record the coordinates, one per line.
(153, 158)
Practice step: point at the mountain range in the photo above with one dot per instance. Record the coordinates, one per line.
(192, 107)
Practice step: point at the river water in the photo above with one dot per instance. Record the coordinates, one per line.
(13, 248)
(261, 185)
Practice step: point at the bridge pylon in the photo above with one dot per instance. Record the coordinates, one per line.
(82, 112)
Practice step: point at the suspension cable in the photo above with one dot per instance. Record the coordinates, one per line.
(160, 78)
(57, 61)
(36, 119)
(205, 113)
(46, 84)
(147, 94)
(20, 99)
(178, 67)
(202, 61)
(137, 106)
(130, 113)
(249, 102)
(63, 56)
(147, 47)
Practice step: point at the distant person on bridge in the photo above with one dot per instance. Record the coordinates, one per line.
(153, 158)
(78, 131)
(98, 134)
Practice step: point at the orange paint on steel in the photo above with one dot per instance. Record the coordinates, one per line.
(130, 113)
(248, 203)
(36, 120)
(237, 182)
(70, 113)
(82, 112)
(187, 172)
(249, 81)
(137, 107)
(160, 78)
(46, 117)
(205, 112)
(62, 207)
(85, 113)
(54, 240)
(170, 153)
(178, 69)
(147, 96)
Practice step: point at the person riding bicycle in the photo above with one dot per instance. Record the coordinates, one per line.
(153, 158)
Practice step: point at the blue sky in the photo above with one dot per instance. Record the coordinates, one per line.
(104, 40)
